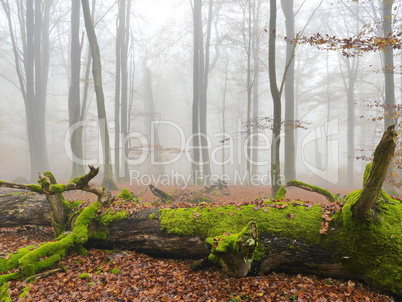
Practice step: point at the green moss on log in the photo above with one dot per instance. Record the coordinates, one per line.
(372, 248)
(107, 217)
(126, 195)
(32, 261)
(58, 188)
(51, 252)
(25, 292)
(292, 221)
(11, 261)
(4, 296)
(234, 252)
(36, 188)
(366, 174)
(281, 193)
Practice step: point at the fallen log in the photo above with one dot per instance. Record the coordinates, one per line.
(291, 236)
(19, 209)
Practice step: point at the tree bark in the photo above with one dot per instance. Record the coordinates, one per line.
(107, 181)
(31, 55)
(290, 148)
(276, 98)
(74, 103)
(19, 209)
(387, 16)
(372, 186)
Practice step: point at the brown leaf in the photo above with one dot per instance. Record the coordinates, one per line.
(291, 216)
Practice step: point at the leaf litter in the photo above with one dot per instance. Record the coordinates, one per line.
(132, 276)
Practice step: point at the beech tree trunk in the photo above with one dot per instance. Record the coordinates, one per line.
(108, 180)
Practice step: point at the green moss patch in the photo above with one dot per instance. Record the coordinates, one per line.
(126, 195)
(110, 216)
(25, 291)
(281, 193)
(32, 261)
(372, 247)
(292, 221)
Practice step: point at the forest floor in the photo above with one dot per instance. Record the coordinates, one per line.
(131, 276)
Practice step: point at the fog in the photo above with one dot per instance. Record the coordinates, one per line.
(160, 91)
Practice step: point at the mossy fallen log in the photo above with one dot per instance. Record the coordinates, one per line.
(293, 236)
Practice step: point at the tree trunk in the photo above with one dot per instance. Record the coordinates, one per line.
(388, 62)
(121, 90)
(74, 103)
(256, 86)
(374, 178)
(206, 165)
(31, 56)
(107, 181)
(196, 166)
(276, 97)
(290, 148)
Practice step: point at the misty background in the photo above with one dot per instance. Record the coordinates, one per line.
(160, 54)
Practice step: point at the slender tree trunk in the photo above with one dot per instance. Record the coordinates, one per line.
(248, 44)
(107, 181)
(125, 110)
(224, 118)
(206, 165)
(351, 127)
(87, 72)
(74, 104)
(256, 84)
(30, 95)
(32, 63)
(121, 89)
(41, 53)
(36, 68)
(276, 129)
(117, 90)
(290, 148)
(388, 62)
(196, 159)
